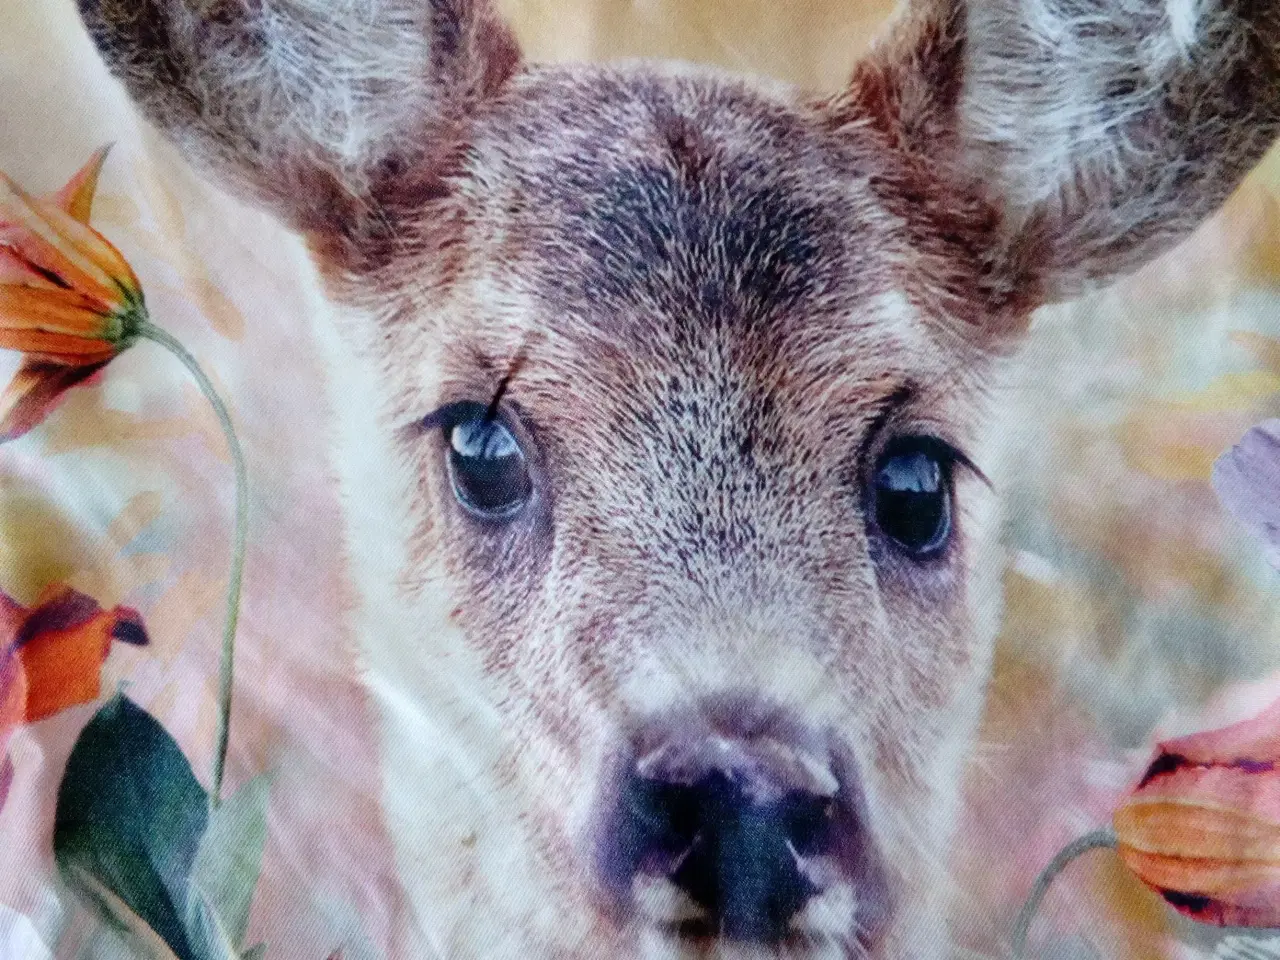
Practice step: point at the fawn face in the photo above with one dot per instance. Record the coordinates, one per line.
(663, 420)
(694, 459)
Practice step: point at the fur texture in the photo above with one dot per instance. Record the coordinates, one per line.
(1103, 132)
(712, 304)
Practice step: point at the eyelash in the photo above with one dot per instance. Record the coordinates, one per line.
(946, 453)
(884, 436)
(954, 457)
(452, 414)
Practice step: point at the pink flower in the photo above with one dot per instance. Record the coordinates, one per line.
(1202, 827)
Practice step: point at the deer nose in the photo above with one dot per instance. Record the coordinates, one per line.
(735, 839)
(746, 827)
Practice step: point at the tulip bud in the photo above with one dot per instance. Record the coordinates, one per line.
(1202, 827)
(68, 300)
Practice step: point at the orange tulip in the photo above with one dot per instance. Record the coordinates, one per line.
(1202, 828)
(51, 657)
(68, 299)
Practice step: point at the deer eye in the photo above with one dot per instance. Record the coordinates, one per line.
(487, 468)
(911, 491)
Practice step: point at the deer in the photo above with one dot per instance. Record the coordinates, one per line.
(667, 423)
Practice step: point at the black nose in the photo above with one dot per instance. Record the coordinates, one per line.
(751, 824)
(735, 845)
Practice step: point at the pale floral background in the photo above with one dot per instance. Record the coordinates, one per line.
(1135, 608)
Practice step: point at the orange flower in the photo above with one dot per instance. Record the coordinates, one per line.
(1202, 828)
(68, 299)
(51, 657)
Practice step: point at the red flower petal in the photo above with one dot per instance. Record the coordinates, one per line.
(13, 694)
(1249, 743)
(17, 271)
(34, 391)
(62, 647)
(51, 657)
(68, 297)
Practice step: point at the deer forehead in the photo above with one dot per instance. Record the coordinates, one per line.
(685, 227)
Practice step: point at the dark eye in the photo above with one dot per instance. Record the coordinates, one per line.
(912, 495)
(487, 468)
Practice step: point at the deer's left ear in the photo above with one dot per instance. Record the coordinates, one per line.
(1100, 131)
(329, 113)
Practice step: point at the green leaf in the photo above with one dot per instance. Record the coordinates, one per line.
(229, 859)
(129, 820)
(208, 935)
(142, 942)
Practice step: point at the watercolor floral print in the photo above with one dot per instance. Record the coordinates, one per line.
(1154, 457)
(51, 656)
(68, 299)
(1201, 828)
(174, 868)
(1247, 479)
(162, 859)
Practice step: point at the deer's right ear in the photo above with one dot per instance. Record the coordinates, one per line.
(1100, 132)
(323, 112)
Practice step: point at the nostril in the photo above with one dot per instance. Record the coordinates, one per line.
(809, 822)
(730, 822)
(743, 865)
(663, 821)
(735, 846)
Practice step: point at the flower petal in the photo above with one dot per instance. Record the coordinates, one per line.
(13, 694)
(12, 615)
(58, 608)
(54, 311)
(15, 270)
(56, 348)
(1214, 863)
(1202, 827)
(1247, 481)
(1214, 849)
(48, 236)
(13, 705)
(1249, 745)
(62, 647)
(91, 244)
(35, 391)
(1256, 905)
(77, 196)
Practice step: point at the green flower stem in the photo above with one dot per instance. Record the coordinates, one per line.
(1098, 840)
(226, 671)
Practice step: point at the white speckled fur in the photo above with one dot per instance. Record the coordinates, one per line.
(465, 209)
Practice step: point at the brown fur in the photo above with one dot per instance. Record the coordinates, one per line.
(713, 302)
